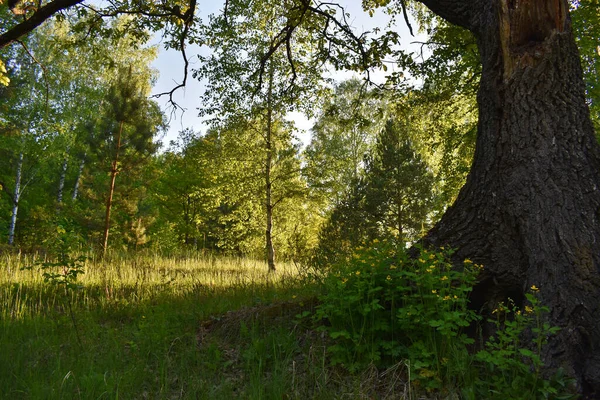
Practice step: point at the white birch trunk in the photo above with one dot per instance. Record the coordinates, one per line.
(16, 198)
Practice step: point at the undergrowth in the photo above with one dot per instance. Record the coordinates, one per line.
(202, 327)
(383, 306)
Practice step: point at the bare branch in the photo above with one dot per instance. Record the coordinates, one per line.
(188, 18)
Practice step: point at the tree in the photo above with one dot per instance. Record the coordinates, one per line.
(394, 198)
(400, 188)
(529, 208)
(128, 130)
(235, 82)
(343, 134)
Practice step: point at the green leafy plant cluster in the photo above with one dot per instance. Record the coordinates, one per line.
(510, 367)
(384, 306)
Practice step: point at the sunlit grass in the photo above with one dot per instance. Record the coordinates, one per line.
(138, 320)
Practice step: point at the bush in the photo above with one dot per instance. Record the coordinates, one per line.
(383, 306)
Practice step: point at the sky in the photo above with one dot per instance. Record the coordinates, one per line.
(170, 66)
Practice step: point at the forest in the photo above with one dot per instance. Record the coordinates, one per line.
(434, 235)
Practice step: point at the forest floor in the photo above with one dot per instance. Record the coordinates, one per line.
(171, 328)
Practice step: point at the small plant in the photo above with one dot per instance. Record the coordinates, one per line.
(511, 367)
(65, 268)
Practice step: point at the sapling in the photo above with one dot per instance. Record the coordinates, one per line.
(66, 268)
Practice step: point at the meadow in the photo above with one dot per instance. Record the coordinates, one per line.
(153, 327)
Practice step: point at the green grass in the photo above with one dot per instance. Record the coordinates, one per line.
(166, 328)
(138, 320)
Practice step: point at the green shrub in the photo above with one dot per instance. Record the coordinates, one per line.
(383, 306)
(511, 368)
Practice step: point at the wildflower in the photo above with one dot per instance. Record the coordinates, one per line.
(467, 261)
(357, 273)
(518, 312)
(446, 298)
(444, 278)
(344, 280)
(455, 296)
(528, 310)
(431, 256)
(534, 288)
(433, 291)
(389, 278)
(442, 248)
(294, 296)
(393, 267)
(421, 260)
(375, 241)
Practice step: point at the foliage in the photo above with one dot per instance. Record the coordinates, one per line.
(383, 306)
(394, 199)
(586, 24)
(344, 132)
(400, 189)
(64, 268)
(511, 368)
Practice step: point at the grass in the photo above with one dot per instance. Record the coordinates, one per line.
(169, 328)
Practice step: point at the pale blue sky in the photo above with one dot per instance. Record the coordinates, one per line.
(170, 66)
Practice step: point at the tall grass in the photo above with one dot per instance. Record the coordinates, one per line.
(140, 323)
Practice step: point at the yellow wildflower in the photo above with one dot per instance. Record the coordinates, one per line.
(431, 256)
(344, 280)
(421, 260)
(442, 248)
(534, 288)
(528, 310)
(467, 261)
(444, 278)
(433, 291)
(393, 267)
(357, 272)
(446, 298)
(389, 278)
(375, 241)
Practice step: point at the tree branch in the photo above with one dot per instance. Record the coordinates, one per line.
(38, 17)
(458, 12)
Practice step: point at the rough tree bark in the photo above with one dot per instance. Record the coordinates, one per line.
(530, 209)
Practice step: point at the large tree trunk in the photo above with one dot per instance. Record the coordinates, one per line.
(530, 209)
